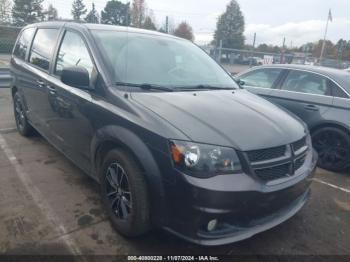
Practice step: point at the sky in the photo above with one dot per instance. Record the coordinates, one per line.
(299, 21)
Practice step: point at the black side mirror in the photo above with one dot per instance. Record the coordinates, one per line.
(240, 82)
(76, 76)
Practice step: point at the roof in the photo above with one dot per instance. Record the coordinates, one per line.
(342, 77)
(102, 27)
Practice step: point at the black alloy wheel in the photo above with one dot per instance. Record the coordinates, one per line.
(333, 148)
(118, 191)
(124, 193)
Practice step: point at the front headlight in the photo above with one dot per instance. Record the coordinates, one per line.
(203, 160)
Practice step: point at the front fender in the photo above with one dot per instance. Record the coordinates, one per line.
(130, 141)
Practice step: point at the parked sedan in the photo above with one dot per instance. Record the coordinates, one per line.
(320, 96)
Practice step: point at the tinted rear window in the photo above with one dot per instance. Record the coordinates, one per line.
(23, 43)
(42, 48)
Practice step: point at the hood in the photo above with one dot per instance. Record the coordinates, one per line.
(238, 119)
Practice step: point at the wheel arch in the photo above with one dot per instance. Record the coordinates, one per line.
(110, 137)
(340, 126)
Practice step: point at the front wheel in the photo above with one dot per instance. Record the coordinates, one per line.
(124, 193)
(333, 147)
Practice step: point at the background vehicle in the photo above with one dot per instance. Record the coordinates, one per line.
(153, 119)
(319, 96)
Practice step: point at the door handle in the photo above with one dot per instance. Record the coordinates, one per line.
(40, 83)
(51, 89)
(311, 107)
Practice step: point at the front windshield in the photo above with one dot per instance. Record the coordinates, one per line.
(139, 59)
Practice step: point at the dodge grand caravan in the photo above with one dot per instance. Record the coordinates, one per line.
(166, 132)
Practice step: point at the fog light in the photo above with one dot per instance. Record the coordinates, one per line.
(212, 225)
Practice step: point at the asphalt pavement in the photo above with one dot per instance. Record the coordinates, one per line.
(48, 206)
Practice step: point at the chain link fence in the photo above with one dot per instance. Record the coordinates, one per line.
(236, 60)
(8, 36)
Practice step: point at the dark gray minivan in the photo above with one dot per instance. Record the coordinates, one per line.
(320, 96)
(172, 140)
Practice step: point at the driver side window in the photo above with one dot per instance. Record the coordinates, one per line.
(73, 52)
(264, 78)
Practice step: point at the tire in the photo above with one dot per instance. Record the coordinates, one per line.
(23, 126)
(333, 147)
(134, 218)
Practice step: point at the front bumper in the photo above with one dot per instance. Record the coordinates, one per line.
(242, 205)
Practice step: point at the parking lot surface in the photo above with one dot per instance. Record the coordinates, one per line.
(48, 206)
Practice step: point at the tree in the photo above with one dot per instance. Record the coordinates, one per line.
(184, 30)
(78, 9)
(27, 12)
(92, 16)
(149, 24)
(5, 11)
(138, 13)
(51, 13)
(116, 13)
(230, 27)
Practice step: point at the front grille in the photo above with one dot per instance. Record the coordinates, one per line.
(299, 144)
(278, 162)
(266, 154)
(299, 163)
(273, 173)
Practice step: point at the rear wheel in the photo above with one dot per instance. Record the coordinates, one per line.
(124, 193)
(333, 147)
(23, 126)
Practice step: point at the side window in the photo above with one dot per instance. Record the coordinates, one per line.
(264, 78)
(23, 43)
(336, 90)
(42, 48)
(305, 82)
(73, 52)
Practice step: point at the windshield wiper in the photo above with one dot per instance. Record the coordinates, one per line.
(146, 86)
(206, 87)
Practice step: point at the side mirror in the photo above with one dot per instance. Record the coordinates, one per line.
(240, 82)
(76, 76)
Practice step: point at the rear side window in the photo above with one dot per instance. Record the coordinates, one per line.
(336, 90)
(42, 48)
(73, 52)
(305, 82)
(264, 78)
(23, 43)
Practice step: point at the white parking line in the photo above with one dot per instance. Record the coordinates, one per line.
(40, 200)
(331, 185)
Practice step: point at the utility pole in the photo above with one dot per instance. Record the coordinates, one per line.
(251, 59)
(167, 24)
(283, 50)
(220, 51)
(330, 18)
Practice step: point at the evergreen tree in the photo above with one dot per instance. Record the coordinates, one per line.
(92, 16)
(149, 24)
(78, 9)
(27, 12)
(230, 27)
(51, 13)
(115, 13)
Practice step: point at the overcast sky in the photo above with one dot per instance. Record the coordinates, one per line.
(300, 21)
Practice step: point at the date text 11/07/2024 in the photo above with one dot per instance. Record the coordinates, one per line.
(173, 258)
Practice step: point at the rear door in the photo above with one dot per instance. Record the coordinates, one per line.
(306, 94)
(261, 81)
